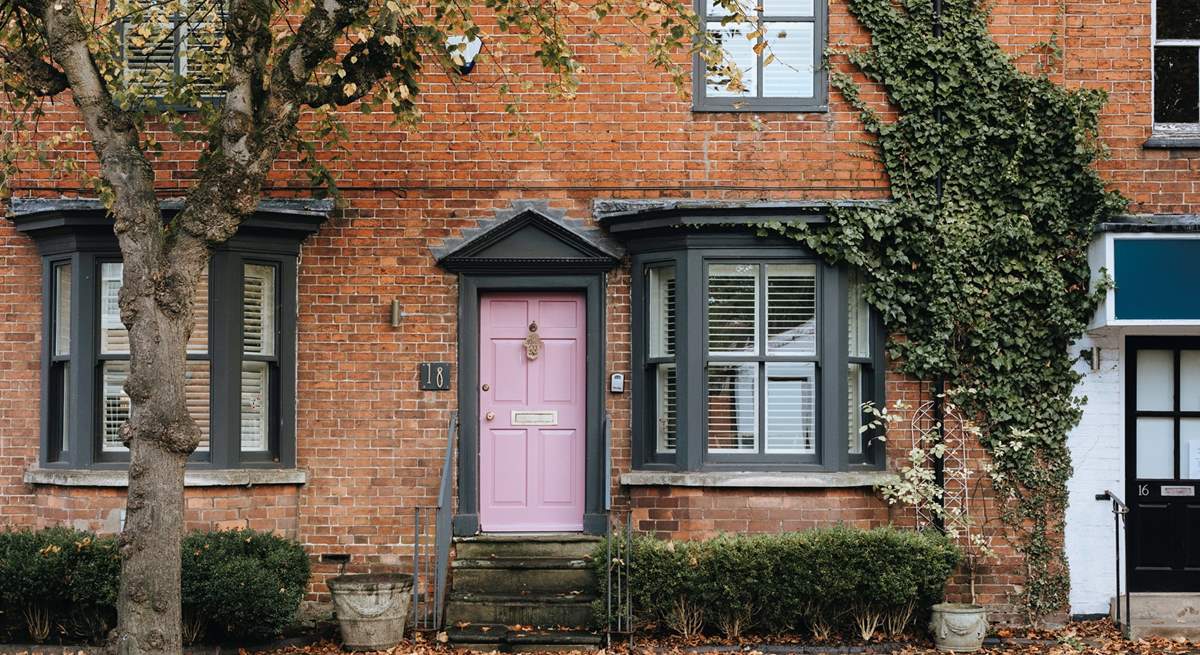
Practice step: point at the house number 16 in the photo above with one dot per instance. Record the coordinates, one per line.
(434, 376)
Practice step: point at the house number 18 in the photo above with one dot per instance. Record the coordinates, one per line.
(434, 376)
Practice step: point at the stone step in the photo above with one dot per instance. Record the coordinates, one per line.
(542, 610)
(520, 581)
(568, 546)
(497, 637)
(1170, 615)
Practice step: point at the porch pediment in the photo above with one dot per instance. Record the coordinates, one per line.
(529, 239)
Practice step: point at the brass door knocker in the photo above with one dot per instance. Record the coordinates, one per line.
(533, 343)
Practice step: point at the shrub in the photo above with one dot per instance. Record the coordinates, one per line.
(57, 581)
(242, 584)
(63, 583)
(829, 580)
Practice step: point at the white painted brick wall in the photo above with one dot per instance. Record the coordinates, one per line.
(1097, 447)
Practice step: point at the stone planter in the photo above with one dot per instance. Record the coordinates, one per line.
(371, 609)
(958, 628)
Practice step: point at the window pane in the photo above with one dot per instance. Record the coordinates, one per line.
(665, 426)
(255, 412)
(662, 311)
(1176, 84)
(198, 343)
(114, 410)
(258, 310)
(854, 383)
(791, 309)
(791, 400)
(197, 388)
(733, 309)
(60, 404)
(1189, 449)
(1155, 380)
(732, 407)
(1155, 448)
(114, 338)
(62, 309)
(859, 319)
(1178, 19)
(787, 7)
(739, 53)
(1189, 380)
(789, 72)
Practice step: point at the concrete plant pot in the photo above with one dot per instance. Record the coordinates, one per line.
(957, 627)
(371, 609)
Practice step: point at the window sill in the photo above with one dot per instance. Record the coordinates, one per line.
(195, 478)
(1168, 140)
(740, 479)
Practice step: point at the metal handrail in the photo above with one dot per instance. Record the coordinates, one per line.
(1120, 511)
(443, 534)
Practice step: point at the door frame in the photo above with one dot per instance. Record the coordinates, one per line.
(1134, 343)
(470, 287)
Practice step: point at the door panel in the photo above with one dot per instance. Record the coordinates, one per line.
(1162, 462)
(532, 413)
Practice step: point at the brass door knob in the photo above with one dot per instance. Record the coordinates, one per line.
(490, 415)
(487, 387)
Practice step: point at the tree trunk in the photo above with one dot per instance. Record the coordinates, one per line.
(160, 278)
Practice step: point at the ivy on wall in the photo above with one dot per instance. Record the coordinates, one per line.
(988, 281)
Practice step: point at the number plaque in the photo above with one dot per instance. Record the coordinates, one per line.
(434, 376)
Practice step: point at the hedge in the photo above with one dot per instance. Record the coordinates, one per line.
(60, 584)
(835, 580)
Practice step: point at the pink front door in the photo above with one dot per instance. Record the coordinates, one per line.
(531, 411)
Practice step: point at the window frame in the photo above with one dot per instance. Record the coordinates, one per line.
(1165, 128)
(99, 455)
(819, 102)
(690, 255)
(224, 355)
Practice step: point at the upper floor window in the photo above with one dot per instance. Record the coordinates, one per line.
(240, 369)
(773, 57)
(1177, 65)
(166, 42)
(757, 358)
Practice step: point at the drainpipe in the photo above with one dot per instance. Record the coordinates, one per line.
(939, 385)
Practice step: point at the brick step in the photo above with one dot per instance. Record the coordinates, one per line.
(568, 546)
(523, 580)
(502, 638)
(541, 610)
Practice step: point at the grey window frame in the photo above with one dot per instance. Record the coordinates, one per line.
(819, 102)
(690, 254)
(80, 233)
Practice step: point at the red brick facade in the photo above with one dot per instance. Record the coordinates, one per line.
(371, 442)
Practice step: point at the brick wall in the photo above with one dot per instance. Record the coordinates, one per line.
(372, 442)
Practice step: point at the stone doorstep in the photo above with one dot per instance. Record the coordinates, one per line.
(1169, 615)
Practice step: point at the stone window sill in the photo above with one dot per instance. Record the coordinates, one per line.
(192, 478)
(754, 479)
(1173, 139)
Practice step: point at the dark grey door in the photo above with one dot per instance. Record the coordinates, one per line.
(1162, 430)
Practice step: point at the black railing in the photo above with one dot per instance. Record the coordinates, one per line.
(1120, 511)
(618, 592)
(445, 518)
(432, 536)
(424, 614)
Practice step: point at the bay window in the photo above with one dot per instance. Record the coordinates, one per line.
(752, 358)
(240, 364)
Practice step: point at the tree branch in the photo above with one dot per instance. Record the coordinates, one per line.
(365, 65)
(37, 75)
